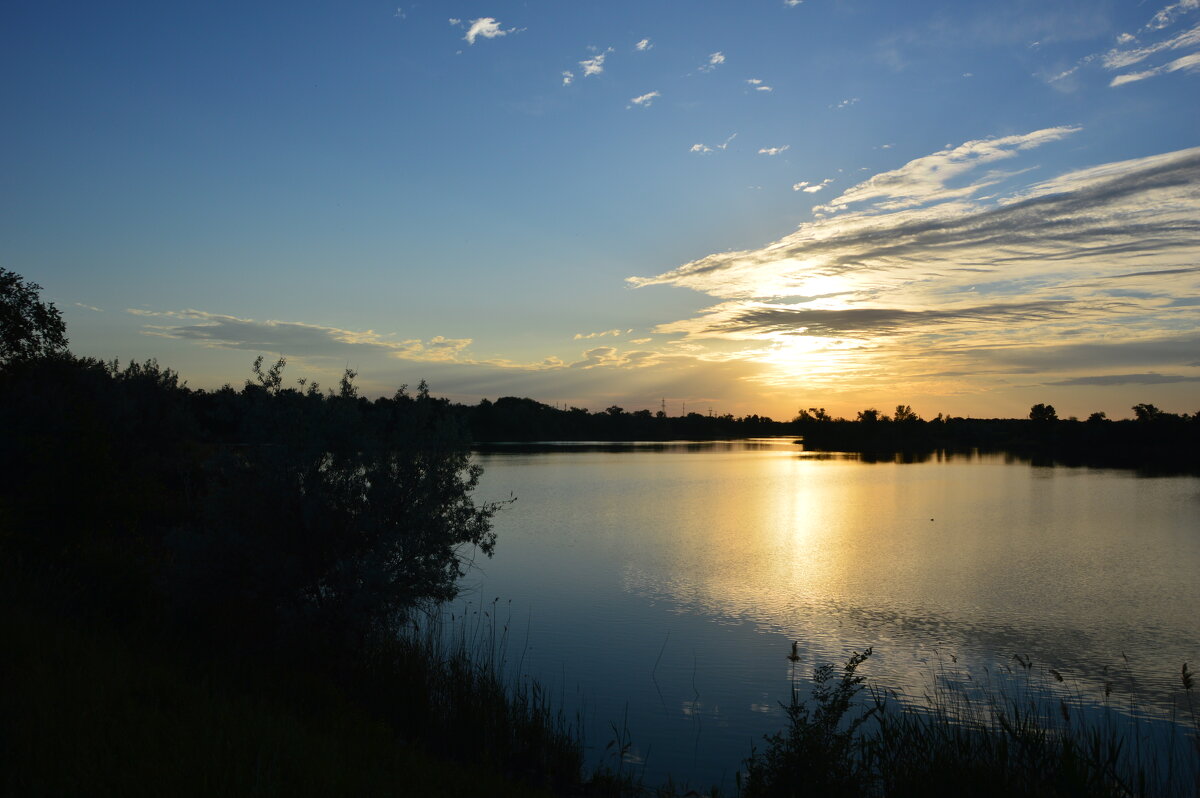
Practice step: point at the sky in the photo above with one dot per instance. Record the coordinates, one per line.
(737, 207)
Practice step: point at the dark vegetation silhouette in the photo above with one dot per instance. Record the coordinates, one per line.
(261, 549)
(278, 553)
(853, 740)
(513, 419)
(29, 328)
(1153, 440)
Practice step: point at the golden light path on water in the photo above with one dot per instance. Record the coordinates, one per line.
(831, 550)
(702, 563)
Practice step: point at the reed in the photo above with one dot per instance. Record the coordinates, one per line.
(1035, 734)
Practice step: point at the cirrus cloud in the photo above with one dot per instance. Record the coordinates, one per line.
(914, 266)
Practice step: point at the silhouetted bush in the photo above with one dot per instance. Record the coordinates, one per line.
(258, 512)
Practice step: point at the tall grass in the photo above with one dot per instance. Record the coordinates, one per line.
(450, 683)
(1032, 735)
(87, 710)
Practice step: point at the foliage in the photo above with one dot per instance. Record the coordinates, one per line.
(815, 754)
(1043, 413)
(1023, 739)
(87, 710)
(29, 328)
(258, 513)
(1147, 413)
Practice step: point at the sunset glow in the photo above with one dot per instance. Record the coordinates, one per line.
(754, 207)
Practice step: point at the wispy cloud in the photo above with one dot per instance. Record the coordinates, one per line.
(1147, 378)
(792, 3)
(846, 103)
(568, 77)
(909, 276)
(643, 45)
(88, 307)
(774, 150)
(293, 338)
(1187, 63)
(714, 61)
(645, 100)
(1167, 15)
(758, 84)
(601, 334)
(724, 145)
(1119, 58)
(1131, 49)
(486, 27)
(930, 178)
(595, 64)
(811, 188)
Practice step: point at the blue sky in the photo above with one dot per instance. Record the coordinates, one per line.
(749, 206)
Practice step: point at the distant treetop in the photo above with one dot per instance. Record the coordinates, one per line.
(29, 328)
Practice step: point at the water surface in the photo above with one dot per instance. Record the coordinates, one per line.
(659, 588)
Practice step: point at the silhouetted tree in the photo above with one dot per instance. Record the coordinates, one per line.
(1097, 417)
(1043, 413)
(29, 328)
(904, 413)
(1147, 412)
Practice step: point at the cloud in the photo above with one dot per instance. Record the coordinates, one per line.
(595, 64)
(1130, 50)
(1118, 58)
(568, 77)
(774, 150)
(1167, 15)
(927, 179)
(1187, 63)
(758, 84)
(456, 22)
(1147, 378)
(792, 3)
(294, 338)
(88, 307)
(645, 100)
(756, 320)
(714, 61)
(913, 274)
(643, 45)
(811, 188)
(600, 356)
(487, 27)
(601, 334)
(399, 14)
(724, 145)
(845, 103)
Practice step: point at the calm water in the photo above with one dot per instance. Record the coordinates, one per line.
(659, 588)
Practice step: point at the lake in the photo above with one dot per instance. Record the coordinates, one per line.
(657, 589)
